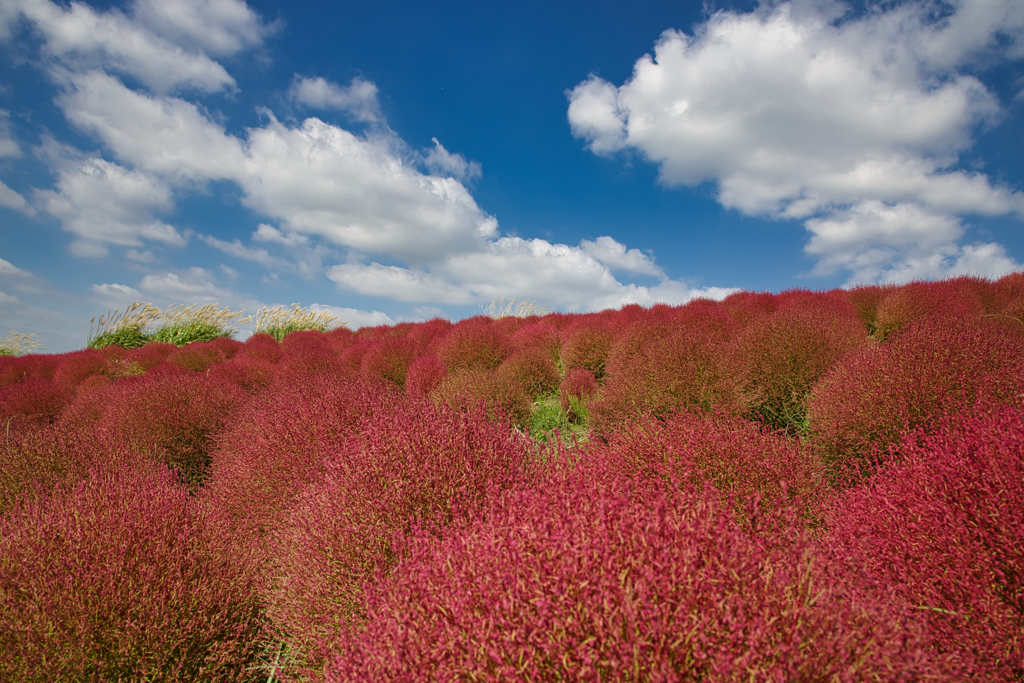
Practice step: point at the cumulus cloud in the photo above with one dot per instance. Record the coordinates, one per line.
(794, 113)
(10, 199)
(103, 203)
(8, 146)
(615, 255)
(218, 27)
(557, 274)
(358, 99)
(442, 162)
(354, 317)
(316, 178)
(8, 268)
(78, 38)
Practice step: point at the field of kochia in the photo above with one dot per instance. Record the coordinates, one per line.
(804, 486)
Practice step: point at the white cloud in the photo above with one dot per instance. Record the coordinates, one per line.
(239, 250)
(140, 256)
(101, 203)
(615, 255)
(192, 286)
(316, 179)
(164, 136)
(230, 272)
(219, 27)
(6, 298)
(79, 38)
(8, 146)
(442, 162)
(511, 267)
(796, 115)
(268, 233)
(10, 199)
(322, 180)
(115, 295)
(356, 318)
(8, 268)
(397, 283)
(358, 99)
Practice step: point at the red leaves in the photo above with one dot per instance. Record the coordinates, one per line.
(945, 527)
(118, 578)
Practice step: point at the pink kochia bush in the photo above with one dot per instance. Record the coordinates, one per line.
(779, 357)
(579, 386)
(733, 455)
(945, 526)
(932, 368)
(417, 465)
(276, 446)
(174, 420)
(118, 579)
(591, 578)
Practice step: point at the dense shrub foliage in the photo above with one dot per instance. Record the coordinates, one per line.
(795, 486)
(594, 578)
(118, 579)
(945, 526)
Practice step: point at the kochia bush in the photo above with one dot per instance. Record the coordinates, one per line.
(586, 345)
(174, 420)
(424, 375)
(117, 579)
(735, 456)
(779, 357)
(275, 447)
(474, 344)
(945, 526)
(533, 370)
(580, 579)
(503, 397)
(660, 367)
(414, 465)
(932, 368)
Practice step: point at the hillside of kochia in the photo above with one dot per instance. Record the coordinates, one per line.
(794, 486)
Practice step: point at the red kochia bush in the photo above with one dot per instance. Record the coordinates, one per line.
(659, 367)
(579, 385)
(154, 353)
(76, 366)
(415, 464)
(117, 579)
(388, 361)
(14, 370)
(734, 455)
(934, 367)
(198, 356)
(503, 397)
(945, 526)
(276, 445)
(474, 344)
(538, 335)
(574, 580)
(916, 300)
(586, 345)
(778, 358)
(424, 375)
(533, 369)
(261, 347)
(31, 402)
(173, 419)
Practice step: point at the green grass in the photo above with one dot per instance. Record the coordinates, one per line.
(550, 421)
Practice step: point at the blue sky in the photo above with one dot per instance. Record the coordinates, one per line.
(399, 161)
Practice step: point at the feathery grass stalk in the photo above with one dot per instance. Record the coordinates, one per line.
(142, 323)
(15, 344)
(279, 321)
(126, 330)
(524, 309)
(180, 325)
